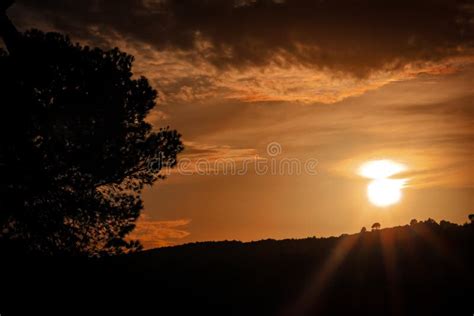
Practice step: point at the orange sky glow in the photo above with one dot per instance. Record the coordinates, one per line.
(336, 83)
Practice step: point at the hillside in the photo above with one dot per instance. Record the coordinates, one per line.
(421, 269)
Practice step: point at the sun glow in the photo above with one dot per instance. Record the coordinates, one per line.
(381, 169)
(382, 191)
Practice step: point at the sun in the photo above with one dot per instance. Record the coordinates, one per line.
(385, 192)
(382, 191)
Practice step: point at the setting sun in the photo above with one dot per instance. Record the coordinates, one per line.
(382, 191)
(385, 192)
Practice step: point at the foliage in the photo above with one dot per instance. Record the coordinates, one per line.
(376, 226)
(76, 150)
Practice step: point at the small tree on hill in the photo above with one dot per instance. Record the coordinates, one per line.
(376, 226)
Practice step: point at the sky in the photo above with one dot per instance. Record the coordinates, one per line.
(316, 88)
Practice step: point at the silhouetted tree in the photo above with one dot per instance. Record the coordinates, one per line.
(431, 222)
(446, 225)
(376, 226)
(413, 222)
(363, 230)
(75, 148)
(471, 218)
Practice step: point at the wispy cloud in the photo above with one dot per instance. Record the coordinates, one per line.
(156, 233)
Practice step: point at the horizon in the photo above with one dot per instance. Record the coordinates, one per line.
(341, 235)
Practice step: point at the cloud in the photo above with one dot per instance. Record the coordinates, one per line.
(263, 50)
(351, 36)
(196, 151)
(203, 159)
(154, 233)
(435, 139)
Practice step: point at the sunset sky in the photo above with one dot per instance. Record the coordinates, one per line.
(342, 82)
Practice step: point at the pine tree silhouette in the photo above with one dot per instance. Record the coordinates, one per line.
(75, 149)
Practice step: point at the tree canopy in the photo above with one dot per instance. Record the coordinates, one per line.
(75, 150)
(376, 226)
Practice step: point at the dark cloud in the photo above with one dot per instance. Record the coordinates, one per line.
(351, 36)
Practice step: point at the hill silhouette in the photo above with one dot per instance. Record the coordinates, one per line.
(423, 268)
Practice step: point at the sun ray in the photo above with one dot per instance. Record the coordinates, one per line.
(388, 242)
(319, 280)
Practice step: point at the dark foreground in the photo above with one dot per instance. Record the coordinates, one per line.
(423, 269)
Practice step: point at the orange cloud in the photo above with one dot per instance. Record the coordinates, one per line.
(297, 51)
(211, 159)
(190, 77)
(155, 233)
